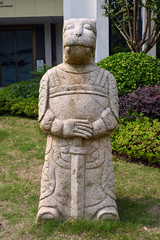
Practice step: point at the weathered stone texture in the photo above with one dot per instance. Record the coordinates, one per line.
(78, 109)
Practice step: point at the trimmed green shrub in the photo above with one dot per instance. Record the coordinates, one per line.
(132, 70)
(25, 89)
(138, 139)
(27, 107)
(20, 99)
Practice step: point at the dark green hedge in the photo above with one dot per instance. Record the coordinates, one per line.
(132, 70)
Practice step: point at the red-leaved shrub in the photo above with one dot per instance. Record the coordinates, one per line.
(144, 100)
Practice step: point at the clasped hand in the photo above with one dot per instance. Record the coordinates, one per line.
(77, 128)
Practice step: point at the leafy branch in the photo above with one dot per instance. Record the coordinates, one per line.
(125, 15)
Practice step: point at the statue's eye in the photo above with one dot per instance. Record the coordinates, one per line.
(69, 26)
(88, 26)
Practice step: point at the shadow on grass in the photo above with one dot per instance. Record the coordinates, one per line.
(133, 214)
(137, 211)
(3, 134)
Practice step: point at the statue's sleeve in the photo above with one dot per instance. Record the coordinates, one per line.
(113, 96)
(46, 116)
(109, 118)
(48, 122)
(43, 96)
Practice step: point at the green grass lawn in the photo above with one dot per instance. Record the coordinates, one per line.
(22, 147)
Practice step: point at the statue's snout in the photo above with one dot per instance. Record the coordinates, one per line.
(78, 34)
(79, 31)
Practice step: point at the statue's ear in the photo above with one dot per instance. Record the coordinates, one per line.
(69, 22)
(93, 23)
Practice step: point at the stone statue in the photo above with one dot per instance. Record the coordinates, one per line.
(78, 110)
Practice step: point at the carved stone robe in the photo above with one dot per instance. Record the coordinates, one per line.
(69, 92)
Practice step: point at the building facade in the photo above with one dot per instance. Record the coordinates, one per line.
(31, 34)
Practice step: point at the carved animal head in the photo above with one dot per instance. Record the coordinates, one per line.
(79, 40)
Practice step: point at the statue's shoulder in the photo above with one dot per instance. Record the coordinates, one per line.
(111, 84)
(51, 72)
(105, 73)
(104, 78)
(55, 69)
(108, 78)
(51, 76)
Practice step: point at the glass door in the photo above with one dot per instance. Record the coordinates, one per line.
(24, 55)
(16, 56)
(7, 57)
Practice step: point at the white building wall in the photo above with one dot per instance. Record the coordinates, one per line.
(152, 52)
(48, 43)
(79, 9)
(102, 49)
(90, 9)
